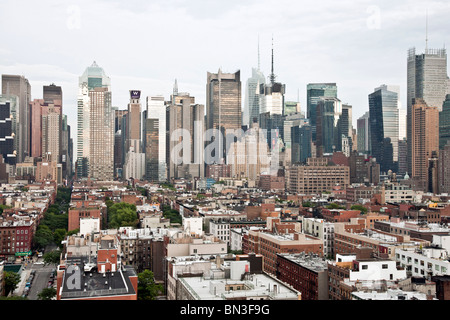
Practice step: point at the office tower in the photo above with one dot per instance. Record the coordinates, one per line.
(401, 123)
(51, 120)
(444, 169)
(66, 156)
(363, 129)
(425, 140)
(402, 157)
(301, 139)
(53, 94)
(291, 121)
(426, 79)
(93, 77)
(345, 130)
(292, 107)
(120, 125)
(273, 128)
(444, 123)
(383, 110)
(223, 105)
(271, 95)
(134, 122)
(185, 114)
(45, 129)
(251, 105)
(6, 134)
(155, 139)
(14, 85)
(134, 156)
(314, 91)
(328, 112)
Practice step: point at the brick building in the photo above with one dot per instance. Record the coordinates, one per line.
(306, 273)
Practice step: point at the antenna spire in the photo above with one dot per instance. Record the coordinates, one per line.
(426, 32)
(258, 55)
(272, 75)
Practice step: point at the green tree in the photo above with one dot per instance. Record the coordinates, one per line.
(47, 294)
(12, 280)
(52, 257)
(122, 214)
(171, 214)
(58, 236)
(43, 237)
(148, 289)
(334, 206)
(359, 207)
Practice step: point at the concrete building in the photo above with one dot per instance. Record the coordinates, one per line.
(315, 178)
(233, 281)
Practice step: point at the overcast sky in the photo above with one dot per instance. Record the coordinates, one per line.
(146, 45)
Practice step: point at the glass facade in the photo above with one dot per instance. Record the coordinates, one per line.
(383, 110)
(444, 123)
(314, 91)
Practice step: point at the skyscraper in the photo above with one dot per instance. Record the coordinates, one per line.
(14, 85)
(6, 134)
(314, 91)
(223, 104)
(328, 112)
(101, 140)
(383, 110)
(363, 128)
(426, 79)
(345, 130)
(95, 125)
(425, 140)
(271, 95)
(444, 123)
(155, 130)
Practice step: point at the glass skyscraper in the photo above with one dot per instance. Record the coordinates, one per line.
(383, 110)
(314, 91)
(444, 123)
(251, 106)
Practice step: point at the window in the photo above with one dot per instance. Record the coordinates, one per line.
(384, 266)
(364, 267)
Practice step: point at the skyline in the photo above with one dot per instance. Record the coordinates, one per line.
(358, 45)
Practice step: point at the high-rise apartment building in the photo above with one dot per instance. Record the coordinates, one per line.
(95, 118)
(101, 140)
(426, 79)
(425, 140)
(18, 86)
(383, 110)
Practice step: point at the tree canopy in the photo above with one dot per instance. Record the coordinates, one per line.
(122, 214)
(47, 294)
(148, 289)
(12, 280)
